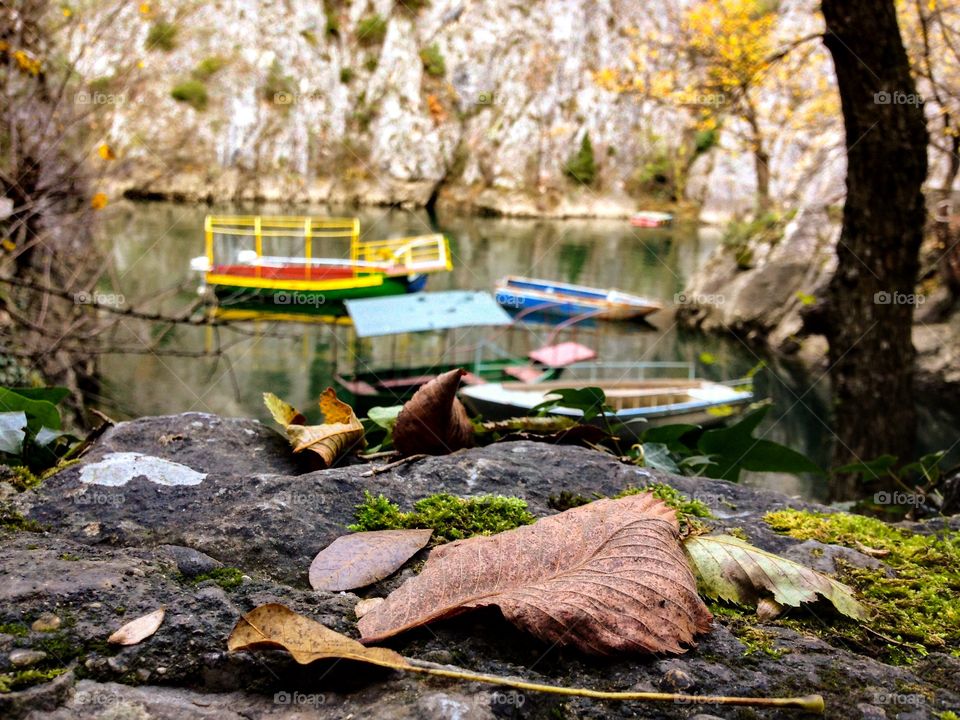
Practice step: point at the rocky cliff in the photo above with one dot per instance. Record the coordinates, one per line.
(482, 103)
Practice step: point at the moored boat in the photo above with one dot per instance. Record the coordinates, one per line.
(566, 299)
(650, 219)
(636, 404)
(251, 260)
(439, 312)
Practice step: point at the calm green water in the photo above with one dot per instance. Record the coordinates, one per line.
(150, 245)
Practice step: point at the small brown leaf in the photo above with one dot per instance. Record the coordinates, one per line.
(274, 625)
(340, 432)
(137, 630)
(606, 577)
(357, 560)
(434, 421)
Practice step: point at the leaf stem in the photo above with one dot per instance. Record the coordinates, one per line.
(809, 703)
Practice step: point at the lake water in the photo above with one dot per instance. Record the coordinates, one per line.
(150, 245)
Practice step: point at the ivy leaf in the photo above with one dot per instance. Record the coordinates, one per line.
(734, 449)
(736, 571)
(591, 401)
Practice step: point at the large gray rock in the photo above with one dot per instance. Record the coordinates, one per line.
(102, 562)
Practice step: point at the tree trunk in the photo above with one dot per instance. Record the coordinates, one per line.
(947, 235)
(761, 161)
(870, 308)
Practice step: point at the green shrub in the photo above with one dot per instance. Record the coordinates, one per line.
(162, 36)
(412, 6)
(370, 64)
(371, 30)
(191, 92)
(208, 67)
(278, 87)
(346, 75)
(581, 166)
(433, 61)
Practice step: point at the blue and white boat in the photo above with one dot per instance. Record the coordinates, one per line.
(636, 404)
(557, 298)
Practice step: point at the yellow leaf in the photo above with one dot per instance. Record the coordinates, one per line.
(144, 8)
(98, 201)
(340, 432)
(106, 152)
(283, 413)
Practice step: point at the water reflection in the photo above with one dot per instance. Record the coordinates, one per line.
(151, 244)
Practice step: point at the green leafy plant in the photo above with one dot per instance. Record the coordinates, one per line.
(581, 166)
(371, 30)
(30, 428)
(162, 36)
(208, 67)
(191, 92)
(433, 61)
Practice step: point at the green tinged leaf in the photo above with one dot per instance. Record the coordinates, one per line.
(730, 569)
(657, 456)
(734, 449)
(870, 469)
(40, 413)
(53, 395)
(591, 401)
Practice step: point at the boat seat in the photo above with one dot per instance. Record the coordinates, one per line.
(562, 354)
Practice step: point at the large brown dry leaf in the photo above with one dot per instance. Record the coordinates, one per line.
(606, 577)
(733, 570)
(138, 630)
(274, 625)
(340, 432)
(355, 561)
(434, 421)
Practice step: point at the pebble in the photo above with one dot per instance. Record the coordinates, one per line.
(47, 622)
(25, 658)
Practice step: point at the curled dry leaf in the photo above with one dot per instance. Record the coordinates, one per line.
(733, 570)
(434, 421)
(138, 630)
(276, 626)
(340, 432)
(605, 577)
(357, 560)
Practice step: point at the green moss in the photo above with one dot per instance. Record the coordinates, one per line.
(371, 30)
(229, 578)
(743, 625)
(915, 611)
(688, 511)
(70, 557)
(450, 517)
(739, 534)
(15, 629)
(11, 682)
(581, 166)
(346, 75)
(191, 92)
(433, 61)
(12, 520)
(162, 36)
(566, 500)
(948, 715)
(21, 477)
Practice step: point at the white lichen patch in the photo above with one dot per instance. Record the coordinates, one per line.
(117, 469)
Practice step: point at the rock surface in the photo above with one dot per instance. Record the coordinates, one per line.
(102, 562)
